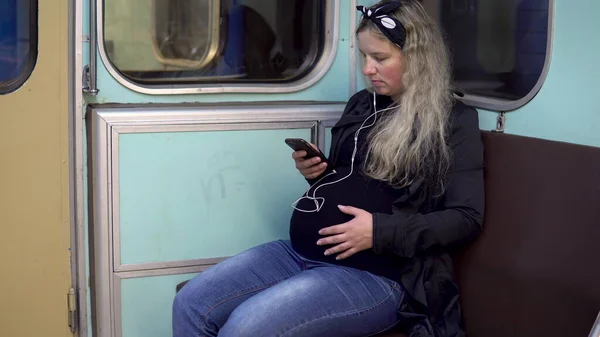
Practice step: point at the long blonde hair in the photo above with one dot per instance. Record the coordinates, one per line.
(411, 142)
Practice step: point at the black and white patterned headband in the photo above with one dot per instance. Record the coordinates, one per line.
(388, 25)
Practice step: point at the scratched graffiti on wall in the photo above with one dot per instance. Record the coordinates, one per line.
(226, 176)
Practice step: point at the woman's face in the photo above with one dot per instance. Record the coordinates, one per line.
(383, 63)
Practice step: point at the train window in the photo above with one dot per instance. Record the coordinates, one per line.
(18, 42)
(499, 48)
(165, 42)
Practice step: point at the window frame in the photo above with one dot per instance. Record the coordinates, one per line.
(8, 87)
(320, 68)
(503, 105)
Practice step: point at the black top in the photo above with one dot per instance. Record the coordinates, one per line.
(355, 189)
(421, 229)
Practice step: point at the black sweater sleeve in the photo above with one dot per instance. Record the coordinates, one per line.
(408, 234)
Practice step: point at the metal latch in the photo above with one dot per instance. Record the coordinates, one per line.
(86, 81)
(72, 307)
(500, 123)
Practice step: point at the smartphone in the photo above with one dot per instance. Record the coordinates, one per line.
(298, 144)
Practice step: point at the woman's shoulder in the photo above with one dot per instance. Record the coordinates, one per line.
(463, 116)
(362, 95)
(359, 103)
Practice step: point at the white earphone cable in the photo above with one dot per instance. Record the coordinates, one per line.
(320, 201)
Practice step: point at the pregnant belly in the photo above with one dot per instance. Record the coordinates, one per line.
(357, 191)
(304, 228)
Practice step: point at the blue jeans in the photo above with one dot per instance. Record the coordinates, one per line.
(272, 291)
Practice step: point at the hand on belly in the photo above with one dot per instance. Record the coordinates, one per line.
(351, 237)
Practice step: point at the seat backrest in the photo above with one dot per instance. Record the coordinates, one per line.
(535, 270)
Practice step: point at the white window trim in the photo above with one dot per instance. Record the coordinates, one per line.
(320, 69)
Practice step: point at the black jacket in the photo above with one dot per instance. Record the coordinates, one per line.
(424, 229)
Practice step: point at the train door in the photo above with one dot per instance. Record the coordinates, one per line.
(34, 169)
(187, 164)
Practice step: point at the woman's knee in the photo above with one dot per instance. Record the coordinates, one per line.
(246, 323)
(191, 315)
(186, 299)
(184, 321)
(181, 305)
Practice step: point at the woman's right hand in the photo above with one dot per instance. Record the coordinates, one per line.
(309, 168)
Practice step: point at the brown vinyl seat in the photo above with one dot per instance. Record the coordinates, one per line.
(535, 270)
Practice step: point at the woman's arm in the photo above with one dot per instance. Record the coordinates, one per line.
(409, 234)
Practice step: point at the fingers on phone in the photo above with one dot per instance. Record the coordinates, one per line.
(315, 174)
(303, 165)
(298, 154)
(314, 171)
(312, 162)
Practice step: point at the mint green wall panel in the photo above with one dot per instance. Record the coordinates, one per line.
(146, 305)
(204, 194)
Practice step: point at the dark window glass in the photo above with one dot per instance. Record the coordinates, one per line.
(202, 41)
(498, 46)
(18, 42)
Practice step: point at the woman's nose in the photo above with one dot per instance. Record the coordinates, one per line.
(368, 69)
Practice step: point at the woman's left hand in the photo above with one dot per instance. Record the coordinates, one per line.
(351, 237)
